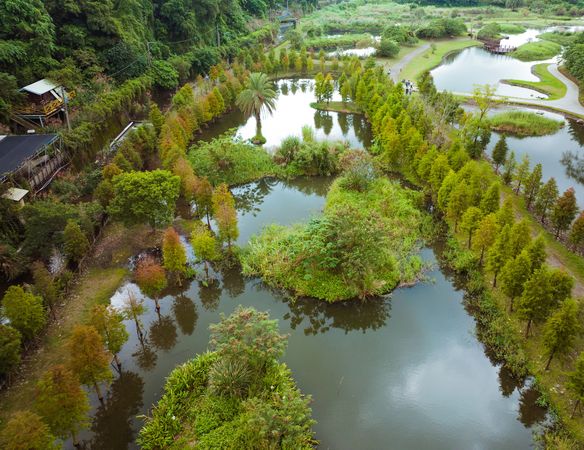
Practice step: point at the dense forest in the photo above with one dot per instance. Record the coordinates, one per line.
(76, 42)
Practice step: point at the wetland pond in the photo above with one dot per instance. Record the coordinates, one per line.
(462, 71)
(403, 371)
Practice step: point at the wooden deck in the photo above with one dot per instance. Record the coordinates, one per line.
(499, 49)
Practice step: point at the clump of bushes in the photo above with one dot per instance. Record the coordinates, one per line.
(365, 244)
(307, 156)
(236, 396)
(225, 160)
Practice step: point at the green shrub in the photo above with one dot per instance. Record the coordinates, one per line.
(348, 252)
(225, 160)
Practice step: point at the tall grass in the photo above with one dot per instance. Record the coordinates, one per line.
(525, 123)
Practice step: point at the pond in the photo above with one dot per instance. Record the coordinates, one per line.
(292, 112)
(405, 369)
(560, 154)
(462, 71)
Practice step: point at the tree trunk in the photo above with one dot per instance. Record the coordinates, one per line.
(576, 406)
(495, 279)
(258, 125)
(208, 220)
(206, 271)
(98, 391)
(75, 439)
(469, 238)
(511, 304)
(118, 363)
(527, 328)
(157, 304)
(482, 255)
(549, 361)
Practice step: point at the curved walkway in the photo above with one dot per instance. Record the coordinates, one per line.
(569, 104)
(398, 66)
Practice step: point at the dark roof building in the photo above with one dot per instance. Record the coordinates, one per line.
(34, 158)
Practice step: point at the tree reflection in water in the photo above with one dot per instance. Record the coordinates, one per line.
(145, 357)
(185, 314)
(233, 281)
(356, 315)
(574, 164)
(163, 333)
(530, 413)
(112, 425)
(327, 123)
(210, 295)
(249, 197)
(343, 123)
(507, 382)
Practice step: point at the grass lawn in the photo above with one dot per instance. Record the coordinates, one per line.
(432, 58)
(342, 107)
(547, 84)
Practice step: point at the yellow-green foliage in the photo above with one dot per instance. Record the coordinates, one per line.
(188, 113)
(365, 244)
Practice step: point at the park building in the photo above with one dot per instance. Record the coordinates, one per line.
(29, 162)
(44, 100)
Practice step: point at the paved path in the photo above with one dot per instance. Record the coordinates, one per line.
(569, 103)
(398, 66)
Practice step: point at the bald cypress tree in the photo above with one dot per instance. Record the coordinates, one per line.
(88, 358)
(546, 198)
(62, 403)
(564, 211)
(532, 185)
(514, 275)
(470, 222)
(499, 253)
(561, 329)
(485, 235)
(500, 152)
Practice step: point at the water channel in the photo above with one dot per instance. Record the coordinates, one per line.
(403, 371)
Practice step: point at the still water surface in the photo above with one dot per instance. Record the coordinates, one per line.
(464, 70)
(292, 112)
(403, 371)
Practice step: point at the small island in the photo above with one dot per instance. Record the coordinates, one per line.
(365, 244)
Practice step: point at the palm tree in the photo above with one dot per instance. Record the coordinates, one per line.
(257, 96)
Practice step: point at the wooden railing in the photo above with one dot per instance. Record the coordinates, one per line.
(45, 109)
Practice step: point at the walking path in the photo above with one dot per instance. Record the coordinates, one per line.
(398, 66)
(568, 104)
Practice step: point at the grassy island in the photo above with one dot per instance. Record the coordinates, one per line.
(537, 51)
(365, 244)
(342, 107)
(524, 123)
(237, 396)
